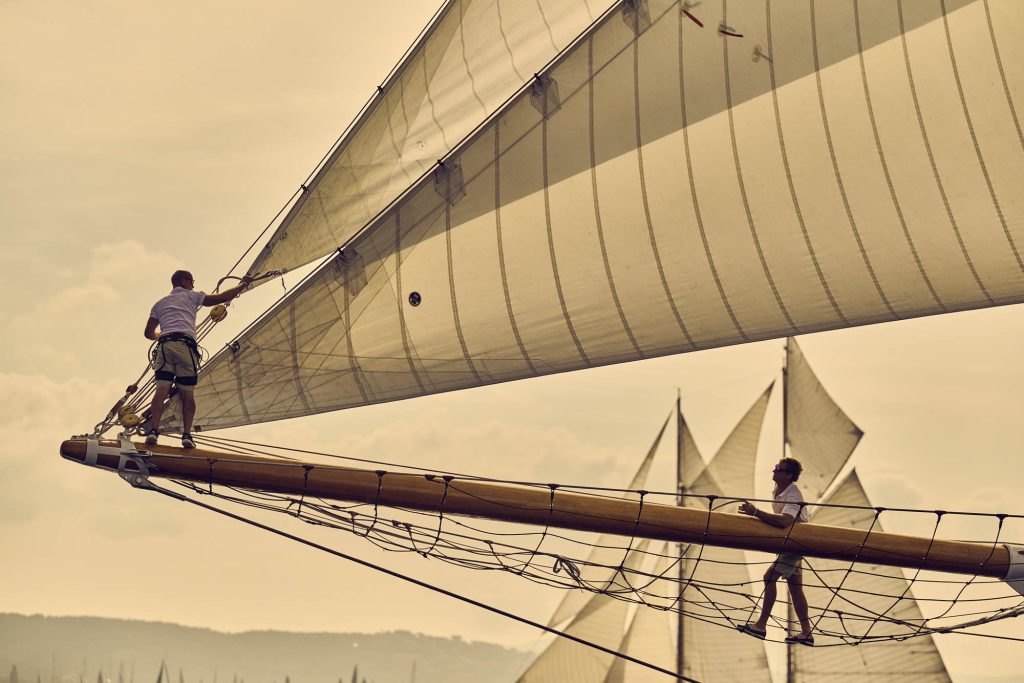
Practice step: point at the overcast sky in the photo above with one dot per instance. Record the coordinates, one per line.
(140, 138)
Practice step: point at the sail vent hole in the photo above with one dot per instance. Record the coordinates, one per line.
(448, 181)
(544, 95)
(637, 15)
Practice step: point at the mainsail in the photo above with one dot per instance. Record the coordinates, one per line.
(662, 188)
(868, 591)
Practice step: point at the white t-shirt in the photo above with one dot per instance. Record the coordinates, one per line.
(788, 503)
(177, 311)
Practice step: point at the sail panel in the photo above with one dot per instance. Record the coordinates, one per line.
(603, 621)
(862, 596)
(819, 433)
(732, 468)
(626, 216)
(472, 57)
(649, 637)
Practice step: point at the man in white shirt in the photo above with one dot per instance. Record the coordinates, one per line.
(787, 509)
(177, 355)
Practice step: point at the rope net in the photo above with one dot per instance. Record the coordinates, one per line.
(850, 602)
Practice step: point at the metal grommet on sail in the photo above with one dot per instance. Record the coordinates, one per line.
(414, 299)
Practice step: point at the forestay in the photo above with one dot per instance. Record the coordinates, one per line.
(664, 188)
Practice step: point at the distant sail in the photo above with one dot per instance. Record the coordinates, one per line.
(665, 188)
(603, 621)
(731, 471)
(604, 551)
(880, 662)
(820, 434)
(712, 654)
(649, 637)
(467, 62)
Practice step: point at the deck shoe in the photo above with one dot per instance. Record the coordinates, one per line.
(801, 639)
(187, 442)
(751, 630)
(152, 437)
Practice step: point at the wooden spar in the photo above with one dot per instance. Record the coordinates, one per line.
(568, 510)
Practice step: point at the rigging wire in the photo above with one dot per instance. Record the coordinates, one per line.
(424, 584)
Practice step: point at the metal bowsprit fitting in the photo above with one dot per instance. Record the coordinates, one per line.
(123, 458)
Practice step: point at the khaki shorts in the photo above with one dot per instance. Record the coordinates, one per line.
(787, 564)
(176, 362)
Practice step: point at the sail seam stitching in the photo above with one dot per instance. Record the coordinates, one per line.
(741, 185)
(974, 140)
(598, 222)
(931, 158)
(785, 154)
(643, 181)
(885, 164)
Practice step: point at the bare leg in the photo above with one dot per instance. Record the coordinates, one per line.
(799, 600)
(771, 591)
(156, 409)
(188, 410)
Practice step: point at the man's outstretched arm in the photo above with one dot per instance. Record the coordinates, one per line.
(781, 520)
(228, 294)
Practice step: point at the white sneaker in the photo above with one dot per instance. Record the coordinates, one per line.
(152, 437)
(187, 442)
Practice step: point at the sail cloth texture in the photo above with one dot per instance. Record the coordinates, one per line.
(468, 61)
(603, 621)
(731, 471)
(665, 188)
(860, 598)
(820, 434)
(649, 637)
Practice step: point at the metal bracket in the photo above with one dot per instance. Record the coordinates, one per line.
(544, 95)
(637, 15)
(448, 181)
(1015, 574)
(131, 464)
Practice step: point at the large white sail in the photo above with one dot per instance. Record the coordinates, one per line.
(916, 660)
(665, 188)
(819, 433)
(605, 552)
(467, 62)
(603, 621)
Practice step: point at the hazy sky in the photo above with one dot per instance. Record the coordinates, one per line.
(143, 137)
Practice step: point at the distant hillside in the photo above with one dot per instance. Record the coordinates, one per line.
(70, 649)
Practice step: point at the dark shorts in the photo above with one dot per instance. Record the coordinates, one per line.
(176, 361)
